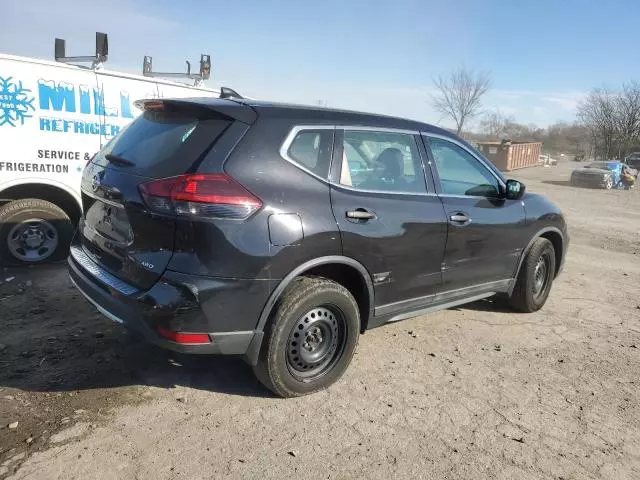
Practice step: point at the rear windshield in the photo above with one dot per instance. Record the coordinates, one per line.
(162, 143)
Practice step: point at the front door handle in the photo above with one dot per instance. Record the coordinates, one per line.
(459, 218)
(360, 214)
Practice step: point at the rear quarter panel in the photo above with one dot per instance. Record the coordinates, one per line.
(243, 249)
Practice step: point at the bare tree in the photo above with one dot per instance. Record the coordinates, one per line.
(494, 124)
(598, 113)
(613, 119)
(459, 96)
(627, 116)
(576, 136)
(561, 137)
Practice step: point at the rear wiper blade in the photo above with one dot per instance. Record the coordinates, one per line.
(119, 160)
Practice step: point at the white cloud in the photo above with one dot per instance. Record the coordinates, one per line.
(568, 102)
(539, 107)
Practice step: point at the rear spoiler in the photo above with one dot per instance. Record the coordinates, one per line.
(235, 110)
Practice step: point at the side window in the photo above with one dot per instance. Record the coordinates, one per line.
(460, 172)
(383, 161)
(311, 149)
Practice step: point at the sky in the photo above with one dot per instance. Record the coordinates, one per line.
(543, 55)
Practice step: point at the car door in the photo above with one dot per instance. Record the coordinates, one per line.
(389, 219)
(485, 234)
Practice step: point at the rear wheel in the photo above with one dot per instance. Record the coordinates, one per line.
(33, 231)
(311, 338)
(535, 278)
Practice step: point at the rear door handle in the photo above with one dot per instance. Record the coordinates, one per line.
(360, 214)
(459, 218)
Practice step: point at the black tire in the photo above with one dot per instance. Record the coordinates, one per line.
(609, 184)
(526, 297)
(18, 212)
(275, 368)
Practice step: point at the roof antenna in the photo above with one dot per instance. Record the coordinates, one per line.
(226, 92)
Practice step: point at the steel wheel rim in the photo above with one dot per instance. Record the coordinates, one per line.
(609, 183)
(32, 240)
(316, 342)
(540, 275)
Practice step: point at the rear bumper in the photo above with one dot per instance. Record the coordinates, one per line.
(186, 304)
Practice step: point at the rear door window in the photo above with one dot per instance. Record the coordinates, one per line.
(311, 150)
(381, 161)
(164, 142)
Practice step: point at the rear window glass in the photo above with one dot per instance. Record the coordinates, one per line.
(311, 149)
(162, 143)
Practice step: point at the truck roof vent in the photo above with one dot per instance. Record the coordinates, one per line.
(102, 52)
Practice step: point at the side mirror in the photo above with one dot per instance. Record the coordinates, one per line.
(515, 190)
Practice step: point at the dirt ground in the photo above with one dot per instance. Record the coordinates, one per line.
(472, 392)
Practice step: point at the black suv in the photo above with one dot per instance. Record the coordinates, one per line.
(281, 233)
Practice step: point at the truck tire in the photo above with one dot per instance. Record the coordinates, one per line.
(535, 277)
(33, 231)
(310, 339)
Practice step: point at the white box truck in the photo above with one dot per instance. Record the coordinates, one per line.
(54, 116)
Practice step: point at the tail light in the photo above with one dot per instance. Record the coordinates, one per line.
(202, 195)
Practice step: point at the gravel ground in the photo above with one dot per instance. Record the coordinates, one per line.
(472, 392)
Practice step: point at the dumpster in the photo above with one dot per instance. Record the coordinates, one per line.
(509, 156)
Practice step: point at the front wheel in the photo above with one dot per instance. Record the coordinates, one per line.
(535, 278)
(609, 183)
(310, 339)
(33, 231)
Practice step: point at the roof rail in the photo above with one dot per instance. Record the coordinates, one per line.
(102, 52)
(199, 78)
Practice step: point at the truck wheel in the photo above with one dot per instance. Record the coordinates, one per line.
(33, 231)
(310, 339)
(535, 278)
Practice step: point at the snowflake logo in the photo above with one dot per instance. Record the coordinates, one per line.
(15, 102)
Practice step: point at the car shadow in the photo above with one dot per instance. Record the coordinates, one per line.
(53, 340)
(561, 183)
(487, 305)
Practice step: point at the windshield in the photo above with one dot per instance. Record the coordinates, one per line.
(600, 165)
